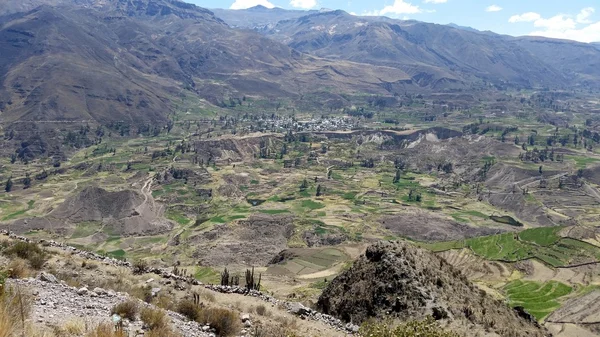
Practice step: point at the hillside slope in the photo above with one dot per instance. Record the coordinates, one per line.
(428, 52)
(124, 60)
(406, 282)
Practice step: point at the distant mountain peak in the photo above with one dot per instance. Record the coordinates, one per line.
(259, 8)
(469, 29)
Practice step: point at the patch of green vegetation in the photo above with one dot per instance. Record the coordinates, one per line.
(349, 195)
(539, 299)
(177, 216)
(442, 246)
(541, 243)
(207, 275)
(254, 182)
(541, 236)
(507, 220)
(458, 217)
(312, 205)
(85, 229)
(322, 284)
(582, 162)
(218, 219)
(476, 214)
(16, 214)
(274, 211)
(117, 254)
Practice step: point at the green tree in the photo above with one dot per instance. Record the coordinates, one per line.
(304, 185)
(27, 181)
(319, 191)
(398, 176)
(9, 185)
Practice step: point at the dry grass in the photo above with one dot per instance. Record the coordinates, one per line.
(15, 307)
(127, 309)
(287, 322)
(27, 251)
(7, 323)
(261, 310)
(225, 322)
(206, 295)
(189, 309)
(74, 327)
(154, 318)
(271, 331)
(18, 268)
(144, 293)
(105, 330)
(165, 301)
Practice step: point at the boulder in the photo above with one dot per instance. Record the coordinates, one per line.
(47, 277)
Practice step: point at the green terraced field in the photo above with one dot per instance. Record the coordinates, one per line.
(541, 243)
(539, 299)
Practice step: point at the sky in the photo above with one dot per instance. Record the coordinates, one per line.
(575, 19)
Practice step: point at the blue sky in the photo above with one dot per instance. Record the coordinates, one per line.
(574, 19)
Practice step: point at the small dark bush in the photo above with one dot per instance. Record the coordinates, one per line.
(140, 267)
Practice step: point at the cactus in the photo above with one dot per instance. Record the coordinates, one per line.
(225, 278)
(250, 283)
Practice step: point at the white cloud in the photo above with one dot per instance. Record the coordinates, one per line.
(493, 8)
(243, 4)
(399, 7)
(435, 1)
(584, 15)
(589, 33)
(559, 23)
(305, 4)
(562, 26)
(526, 17)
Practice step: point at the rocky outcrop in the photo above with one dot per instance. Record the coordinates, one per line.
(401, 281)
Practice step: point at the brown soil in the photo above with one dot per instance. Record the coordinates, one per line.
(249, 242)
(427, 226)
(122, 213)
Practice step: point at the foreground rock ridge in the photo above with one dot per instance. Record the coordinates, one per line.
(396, 279)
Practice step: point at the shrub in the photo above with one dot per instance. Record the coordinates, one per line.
(127, 309)
(225, 322)
(154, 318)
(18, 268)
(261, 310)
(189, 309)
(105, 330)
(139, 267)
(144, 293)
(37, 261)
(426, 328)
(27, 251)
(164, 301)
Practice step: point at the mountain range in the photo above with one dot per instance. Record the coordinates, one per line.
(130, 60)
